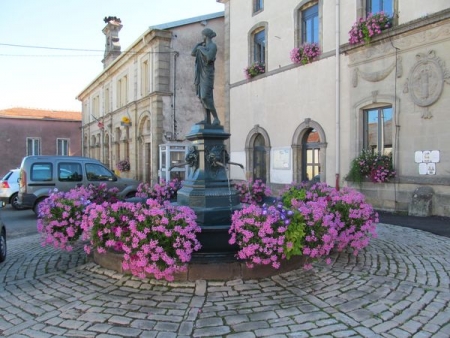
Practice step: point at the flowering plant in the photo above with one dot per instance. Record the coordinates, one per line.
(252, 192)
(335, 220)
(306, 53)
(123, 165)
(60, 215)
(156, 239)
(259, 233)
(364, 29)
(255, 69)
(309, 221)
(378, 168)
(164, 191)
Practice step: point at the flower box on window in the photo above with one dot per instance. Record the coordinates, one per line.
(254, 70)
(123, 165)
(306, 53)
(364, 29)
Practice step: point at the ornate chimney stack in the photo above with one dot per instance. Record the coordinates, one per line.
(112, 46)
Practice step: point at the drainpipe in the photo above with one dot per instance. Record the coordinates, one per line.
(338, 98)
(174, 91)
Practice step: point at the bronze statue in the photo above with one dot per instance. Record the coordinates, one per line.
(205, 55)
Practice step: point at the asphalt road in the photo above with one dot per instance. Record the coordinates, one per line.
(19, 223)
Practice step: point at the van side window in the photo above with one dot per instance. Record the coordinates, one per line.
(70, 172)
(96, 172)
(41, 172)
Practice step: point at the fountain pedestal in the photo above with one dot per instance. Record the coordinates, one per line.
(207, 189)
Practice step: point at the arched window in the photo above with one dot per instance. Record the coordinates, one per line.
(307, 17)
(375, 6)
(311, 156)
(309, 152)
(257, 39)
(258, 154)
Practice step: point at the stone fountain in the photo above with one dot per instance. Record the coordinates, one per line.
(207, 189)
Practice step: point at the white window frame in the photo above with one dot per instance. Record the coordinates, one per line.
(62, 146)
(35, 145)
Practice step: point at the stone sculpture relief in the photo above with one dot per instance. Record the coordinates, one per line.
(379, 75)
(426, 81)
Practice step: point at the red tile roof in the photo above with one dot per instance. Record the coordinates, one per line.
(40, 114)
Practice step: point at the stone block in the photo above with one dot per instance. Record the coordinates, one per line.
(421, 202)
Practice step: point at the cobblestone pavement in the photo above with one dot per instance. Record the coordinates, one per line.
(398, 287)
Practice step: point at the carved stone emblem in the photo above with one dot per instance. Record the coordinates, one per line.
(426, 81)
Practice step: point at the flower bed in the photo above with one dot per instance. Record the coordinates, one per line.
(157, 238)
(307, 221)
(164, 191)
(252, 192)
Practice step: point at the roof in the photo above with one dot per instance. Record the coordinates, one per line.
(188, 21)
(40, 114)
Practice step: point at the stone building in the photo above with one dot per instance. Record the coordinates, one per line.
(297, 122)
(26, 131)
(145, 95)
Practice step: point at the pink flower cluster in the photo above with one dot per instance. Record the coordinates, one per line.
(252, 192)
(335, 219)
(123, 165)
(306, 53)
(259, 233)
(313, 222)
(164, 191)
(60, 215)
(255, 69)
(156, 239)
(381, 173)
(364, 29)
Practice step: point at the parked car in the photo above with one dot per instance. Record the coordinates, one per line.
(2, 237)
(39, 175)
(9, 188)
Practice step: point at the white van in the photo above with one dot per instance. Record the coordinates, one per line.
(39, 175)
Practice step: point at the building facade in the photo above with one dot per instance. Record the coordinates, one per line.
(25, 131)
(294, 122)
(145, 96)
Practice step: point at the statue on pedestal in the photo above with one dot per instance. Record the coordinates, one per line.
(205, 55)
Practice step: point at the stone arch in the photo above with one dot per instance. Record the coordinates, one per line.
(145, 156)
(298, 148)
(255, 29)
(298, 22)
(257, 133)
(373, 101)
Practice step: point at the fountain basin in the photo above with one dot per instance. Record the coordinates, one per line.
(209, 267)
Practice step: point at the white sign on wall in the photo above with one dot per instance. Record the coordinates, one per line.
(282, 158)
(427, 160)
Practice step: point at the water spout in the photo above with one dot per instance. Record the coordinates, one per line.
(177, 165)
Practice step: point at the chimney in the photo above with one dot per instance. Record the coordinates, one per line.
(112, 46)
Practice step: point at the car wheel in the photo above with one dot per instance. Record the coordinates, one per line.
(15, 201)
(2, 246)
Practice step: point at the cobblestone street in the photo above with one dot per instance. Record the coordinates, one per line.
(398, 287)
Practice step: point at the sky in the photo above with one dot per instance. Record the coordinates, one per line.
(39, 70)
